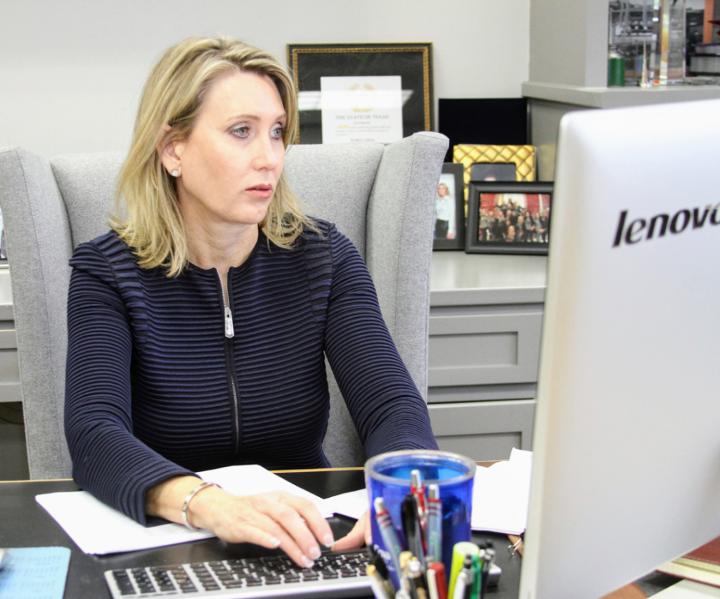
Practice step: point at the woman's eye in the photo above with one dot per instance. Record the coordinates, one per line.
(241, 131)
(277, 132)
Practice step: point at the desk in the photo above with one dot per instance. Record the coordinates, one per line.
(25, 523)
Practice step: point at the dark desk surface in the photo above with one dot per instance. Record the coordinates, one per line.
(24, 523)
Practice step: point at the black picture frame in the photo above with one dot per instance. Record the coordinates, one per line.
(517, 200)
(493, 171)
(411, 61)
(454, 231)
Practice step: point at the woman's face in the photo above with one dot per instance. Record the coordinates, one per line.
(232, 160)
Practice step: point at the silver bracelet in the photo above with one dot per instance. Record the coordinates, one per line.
(189, 498)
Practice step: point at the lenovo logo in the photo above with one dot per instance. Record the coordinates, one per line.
(642, 229)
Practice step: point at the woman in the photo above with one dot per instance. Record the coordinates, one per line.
(198, 326)
(444, 206)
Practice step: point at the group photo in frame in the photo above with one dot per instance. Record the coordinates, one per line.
(362, 92)
(449, 213)
(508, 217)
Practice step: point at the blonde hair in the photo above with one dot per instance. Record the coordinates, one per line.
(152, 224)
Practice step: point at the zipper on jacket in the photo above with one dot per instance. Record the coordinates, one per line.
(229, 362)
(229, 329)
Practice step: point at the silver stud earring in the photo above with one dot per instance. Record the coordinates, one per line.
(175, 172)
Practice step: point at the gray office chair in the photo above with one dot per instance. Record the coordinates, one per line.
(381, 197)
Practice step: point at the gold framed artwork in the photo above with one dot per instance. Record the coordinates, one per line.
(495, 163)
(362, 92)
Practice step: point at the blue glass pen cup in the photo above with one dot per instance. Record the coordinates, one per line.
(388, 476)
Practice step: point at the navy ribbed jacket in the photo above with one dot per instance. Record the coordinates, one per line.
(155, 389)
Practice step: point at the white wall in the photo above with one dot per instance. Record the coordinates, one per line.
(71, 70)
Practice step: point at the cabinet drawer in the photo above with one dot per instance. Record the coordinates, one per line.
(9, 374)
(484, 349)
(484, 431)
(9, 366)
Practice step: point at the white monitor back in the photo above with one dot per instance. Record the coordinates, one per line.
(627, 432)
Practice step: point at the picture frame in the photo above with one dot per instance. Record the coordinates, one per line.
(523, 157)
(449, 220)
(407, 65)
(493, 171)
(499, 214)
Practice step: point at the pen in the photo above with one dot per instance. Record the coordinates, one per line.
(418, 585)
(477, 565)
(489, 559)
(377, 583)
(418, 489)
(434, 524)
(469, 573)
(387, 531)
(460, 551)
(404, 559)
(432, 584)
(411, 526)
(382, 571)
(437, 569)
(460, 586)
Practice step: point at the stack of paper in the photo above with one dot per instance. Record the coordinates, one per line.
(98, 529)
(501, 494)
(701, 565)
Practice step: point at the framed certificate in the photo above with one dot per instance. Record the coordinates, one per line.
(362, 92)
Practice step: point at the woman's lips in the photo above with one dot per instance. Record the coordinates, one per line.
(262, 191)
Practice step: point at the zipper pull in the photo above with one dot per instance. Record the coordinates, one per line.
(229, 329)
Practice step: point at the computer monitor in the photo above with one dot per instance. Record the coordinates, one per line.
(626, 461)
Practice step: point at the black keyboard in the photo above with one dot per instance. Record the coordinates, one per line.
(339, 574)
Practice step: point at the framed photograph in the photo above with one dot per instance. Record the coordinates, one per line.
(449, 224)
(493, 171)
(508, 217)
(362, 92)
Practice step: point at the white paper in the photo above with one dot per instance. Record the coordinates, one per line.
(501, 494)
(365, 109)
(353, 504)
(311, 100)
(688, 589)
(99, 529)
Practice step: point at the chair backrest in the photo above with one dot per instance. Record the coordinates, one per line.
(380, 196)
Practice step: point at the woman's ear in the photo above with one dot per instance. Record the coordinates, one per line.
(169, 148)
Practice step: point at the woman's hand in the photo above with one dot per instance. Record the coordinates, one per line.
(357, 537)
(272, 520)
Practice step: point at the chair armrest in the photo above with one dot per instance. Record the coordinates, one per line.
(39, 247)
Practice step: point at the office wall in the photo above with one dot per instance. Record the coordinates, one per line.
(557, 26)
(71, 70)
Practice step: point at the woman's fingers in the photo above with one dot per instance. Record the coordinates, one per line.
(247, 533)
(359, 535)
(281, 520)
(313, 518)
(296, 538)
